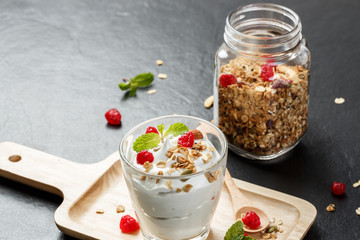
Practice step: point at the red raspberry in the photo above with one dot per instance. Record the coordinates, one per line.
(245, 234)
(338, 188)
(151, 130)
(144, 156)
(128, 224)
(113, 116)
(187, 139)
(227, 79)
(251, 219)
(267, 71)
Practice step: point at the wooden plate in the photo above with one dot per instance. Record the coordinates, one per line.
(87, 188)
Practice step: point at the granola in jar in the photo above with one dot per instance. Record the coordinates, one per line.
(263, 116)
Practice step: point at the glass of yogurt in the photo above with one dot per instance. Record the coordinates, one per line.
(174, 168)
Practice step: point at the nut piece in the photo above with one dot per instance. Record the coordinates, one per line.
(186, 172)
(159, 62)
(260, 89)
(212, 176)
(356, 184)
(120, 209)
(187, 187)
(330, 208)
(162, 75)
(339, 100)
(265, 235)
(100, 211)
(207, 158)
(209, 101)
(358, 211)
(197, 134)
(148, 166)
(271, 229)
(152, 91)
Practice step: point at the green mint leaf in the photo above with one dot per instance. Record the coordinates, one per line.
(146, 141)
(176, 129)
(132, 91)
(247, 238)
(161, 129)
(125, 86)
(143, 79)
(140, 80)
(235, 232)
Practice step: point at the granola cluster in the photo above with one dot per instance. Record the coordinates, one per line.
(182, 158)
(263, 117)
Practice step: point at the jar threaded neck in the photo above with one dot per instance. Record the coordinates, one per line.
(260, 29)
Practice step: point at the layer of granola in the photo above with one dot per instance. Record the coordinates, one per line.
(167, 157)
(263, 117)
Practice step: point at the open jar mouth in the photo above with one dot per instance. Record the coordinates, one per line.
(128, 140)
(262, 28)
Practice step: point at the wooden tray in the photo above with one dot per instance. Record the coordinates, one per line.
(88, 187)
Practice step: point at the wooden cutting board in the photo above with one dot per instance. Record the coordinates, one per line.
(89, 187)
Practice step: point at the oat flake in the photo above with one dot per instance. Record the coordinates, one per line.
(162, 76)
(152, 91)
(339, 100)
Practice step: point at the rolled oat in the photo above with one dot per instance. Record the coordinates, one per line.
(162, 75)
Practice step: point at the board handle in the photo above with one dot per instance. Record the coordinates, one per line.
(38, 169)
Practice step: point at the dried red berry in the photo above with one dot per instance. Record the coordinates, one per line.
(113, 116)
(267, 71)
(227, 79)
(128, 224)
(251, 219)
(187, 139)
(151, 130)
(144, 156)
(281, 83)
(338, 188)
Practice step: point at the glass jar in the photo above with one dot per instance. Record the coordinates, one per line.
(261, 81)
(164, 207)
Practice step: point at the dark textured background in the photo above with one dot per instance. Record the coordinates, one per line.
(61, 61)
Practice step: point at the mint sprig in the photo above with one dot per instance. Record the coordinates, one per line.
(176, 129)
(141, 80)
(236, 232)
(151, 140)
(146, 141)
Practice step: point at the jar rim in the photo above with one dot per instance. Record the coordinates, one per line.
(244, 42)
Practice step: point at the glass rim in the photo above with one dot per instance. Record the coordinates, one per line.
(265, 6)
(215, 165)
(239, 40)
